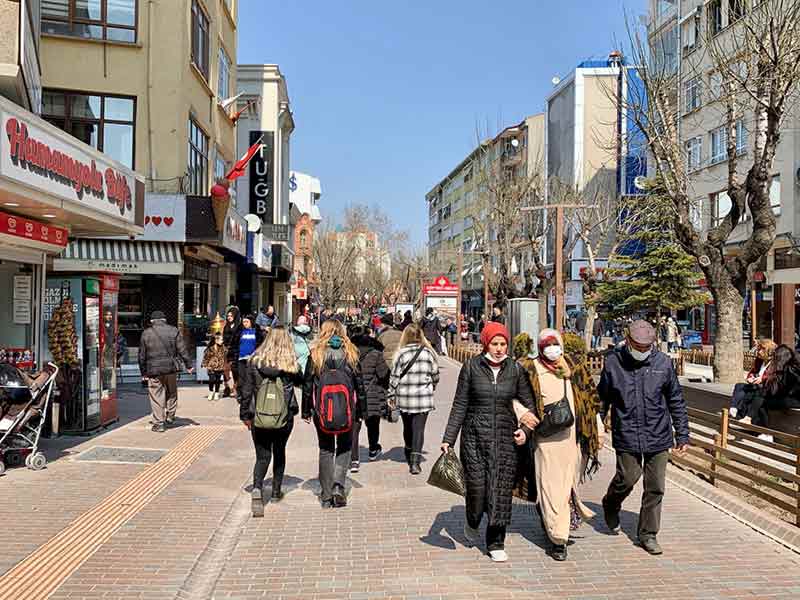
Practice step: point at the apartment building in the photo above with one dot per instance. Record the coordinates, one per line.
(264, 189)
(304, 194)
(146, 84)
(454, 204)
(680, 30)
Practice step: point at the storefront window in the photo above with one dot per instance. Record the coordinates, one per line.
(131, 318)
(16, 314)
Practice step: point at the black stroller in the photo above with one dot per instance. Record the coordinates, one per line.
(23, 410)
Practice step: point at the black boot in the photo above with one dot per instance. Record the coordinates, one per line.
(339, 496)
(414, 468)
(277, 494)
(408, 456)
(559, 552)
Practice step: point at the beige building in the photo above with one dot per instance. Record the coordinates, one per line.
(144, 82)
(679, 29)
(453, 204)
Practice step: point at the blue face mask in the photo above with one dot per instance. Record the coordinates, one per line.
(336, 342)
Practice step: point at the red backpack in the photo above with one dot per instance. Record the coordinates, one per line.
(335, 402)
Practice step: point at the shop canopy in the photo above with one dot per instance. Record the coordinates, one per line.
(121, 256)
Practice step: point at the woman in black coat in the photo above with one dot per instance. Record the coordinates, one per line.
(230, 336)
(375, 373)
(483, 413)
(781, 388)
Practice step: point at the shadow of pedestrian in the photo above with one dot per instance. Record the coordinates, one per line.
(315, 488)
(398, 455)
(451, 523)
(628, 522)
(526, 521)
(183, 422)
(290, 484)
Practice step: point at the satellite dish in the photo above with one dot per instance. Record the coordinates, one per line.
(704, 260)
(640, 182)
(556, 80)
(253, 223)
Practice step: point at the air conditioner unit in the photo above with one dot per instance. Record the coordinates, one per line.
(640, 182)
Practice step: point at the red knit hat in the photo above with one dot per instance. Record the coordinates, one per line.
(491, 331)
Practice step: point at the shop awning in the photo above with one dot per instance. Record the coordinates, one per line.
(121, 256)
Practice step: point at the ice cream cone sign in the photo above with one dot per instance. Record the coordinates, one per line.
(220, 202)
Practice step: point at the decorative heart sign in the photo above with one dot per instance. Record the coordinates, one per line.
(156, 221)
(168, 221)
(147, 220)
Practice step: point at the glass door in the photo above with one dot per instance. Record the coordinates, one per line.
(91, 361)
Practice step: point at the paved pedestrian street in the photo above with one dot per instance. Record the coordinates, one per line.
(180, 527)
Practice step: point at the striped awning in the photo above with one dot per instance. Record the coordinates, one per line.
(121, 256)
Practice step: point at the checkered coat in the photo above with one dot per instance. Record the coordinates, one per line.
(414, 392)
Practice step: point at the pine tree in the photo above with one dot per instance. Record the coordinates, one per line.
(650, 271)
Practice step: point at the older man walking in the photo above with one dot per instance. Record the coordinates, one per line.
(162, 355)
(639, 382)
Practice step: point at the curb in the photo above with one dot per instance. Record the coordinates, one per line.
(762, 522)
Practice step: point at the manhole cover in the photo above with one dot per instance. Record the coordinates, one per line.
(121, 455)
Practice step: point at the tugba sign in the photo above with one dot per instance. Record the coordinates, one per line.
(38, 157)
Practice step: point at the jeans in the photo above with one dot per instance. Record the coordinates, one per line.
(270, 443)
(414, 431)
(373, 435)
(630, 467)
(214, 380)
(334, 460)
(595, 341)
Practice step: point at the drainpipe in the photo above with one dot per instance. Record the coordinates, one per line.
(151, 166)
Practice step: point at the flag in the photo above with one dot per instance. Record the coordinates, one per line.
(238, 169)
(236, 117)
(228, 102)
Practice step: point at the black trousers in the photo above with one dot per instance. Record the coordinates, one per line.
(414, 430)
(269, 444)
(630, 468)
(214, 380)
(373, 435)
(495, 534)
(334, 455)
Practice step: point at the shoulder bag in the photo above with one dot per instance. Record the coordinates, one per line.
(392, 414)
(557, 417)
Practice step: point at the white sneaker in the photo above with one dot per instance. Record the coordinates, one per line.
(733, 411)
(473, 536)
(498, 556)
(210, 396)
(766, 437)
(746, 420)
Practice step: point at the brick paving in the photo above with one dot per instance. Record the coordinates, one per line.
(398, 538)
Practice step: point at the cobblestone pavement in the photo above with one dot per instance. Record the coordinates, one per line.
(398, 538)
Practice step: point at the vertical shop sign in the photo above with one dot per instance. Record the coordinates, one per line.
(262, 167)
(23, 296)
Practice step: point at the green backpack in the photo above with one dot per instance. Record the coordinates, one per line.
(272, 410)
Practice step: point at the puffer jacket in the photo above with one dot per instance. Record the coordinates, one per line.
(483, 413)
(254, 376)
(334, 359)
(375, 373)
(161, 344)
(647, 402)
(301, 337)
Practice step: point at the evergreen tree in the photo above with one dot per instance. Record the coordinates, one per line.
(650, 271)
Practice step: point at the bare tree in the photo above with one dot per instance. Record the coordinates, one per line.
(410, 269)
(757, 64)
(334, 261)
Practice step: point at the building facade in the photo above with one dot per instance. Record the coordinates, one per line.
(146, 83)
(264, 189)
(304, 194)
(679, 31)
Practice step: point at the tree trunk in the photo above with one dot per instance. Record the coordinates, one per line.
(728, 351)
(591, 315)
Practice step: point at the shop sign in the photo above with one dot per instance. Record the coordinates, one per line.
(234, 236)
(441, 287)
(275, 233)
(49, 163)
(164, 218)
(35, 231)
(266, 257)
(284, 258)
(261, 176)
(22, 298)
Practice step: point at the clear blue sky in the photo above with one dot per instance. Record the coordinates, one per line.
(386, 95)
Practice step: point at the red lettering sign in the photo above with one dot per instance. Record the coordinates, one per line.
(37, 157)
(33, 230)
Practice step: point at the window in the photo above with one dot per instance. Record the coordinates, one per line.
(303, 239)
(736, 10)
(775, 194)
(741, 137)
(224, 78)
(715, 85)
(720, 207)
(694, 152)
(220, 166)
(103, 122)
(198, 160)
(665, 51)
(715, 16)
(693, 93)
(719, 144)
(113, 20)
(691, 35)
(446, 212)
(200, 54)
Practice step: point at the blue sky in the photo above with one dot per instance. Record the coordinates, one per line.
(386, 95)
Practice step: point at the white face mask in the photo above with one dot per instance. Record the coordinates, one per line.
(640, 356)
(553, 353)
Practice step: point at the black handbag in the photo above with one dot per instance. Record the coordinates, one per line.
(557, 417)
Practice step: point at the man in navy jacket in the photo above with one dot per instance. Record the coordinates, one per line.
(641, 385)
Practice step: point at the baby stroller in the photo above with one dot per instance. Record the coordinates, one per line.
(23, 409)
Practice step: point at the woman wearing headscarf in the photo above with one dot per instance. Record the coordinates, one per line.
(483, 413)
(562, 459)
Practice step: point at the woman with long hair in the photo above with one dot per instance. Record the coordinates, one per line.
(562, 458)
(744, 394)
(271, 369)
(483, 414)
(415, 375)
(781, 388)
(334, 358)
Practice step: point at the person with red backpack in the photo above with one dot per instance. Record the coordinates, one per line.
(268, 408)
(334, 396)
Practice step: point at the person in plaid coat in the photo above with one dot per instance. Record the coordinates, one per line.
(411, 390)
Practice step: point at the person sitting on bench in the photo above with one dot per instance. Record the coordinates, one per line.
(781, 388)
(745, 393)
